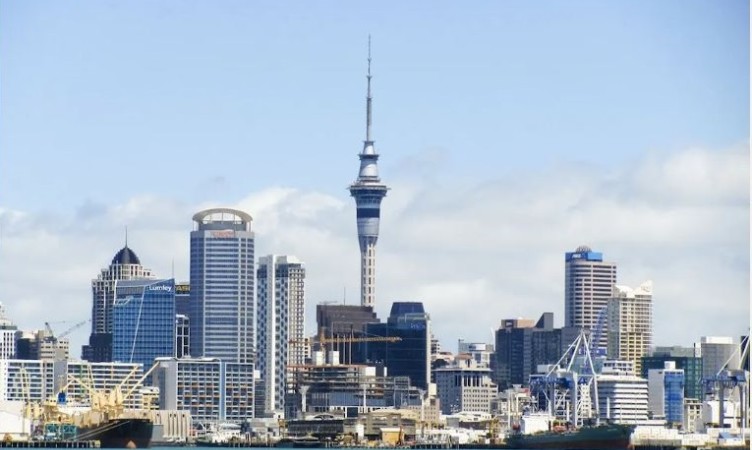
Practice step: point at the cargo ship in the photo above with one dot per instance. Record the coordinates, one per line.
(119, 433)
(597, 437)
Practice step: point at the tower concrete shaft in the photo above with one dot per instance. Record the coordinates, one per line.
(368, 191)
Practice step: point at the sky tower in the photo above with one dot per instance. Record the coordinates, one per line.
(368, 192)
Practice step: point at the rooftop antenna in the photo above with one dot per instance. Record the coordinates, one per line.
(368, 98)
(344, 295)
(126, 235)
(173, 267)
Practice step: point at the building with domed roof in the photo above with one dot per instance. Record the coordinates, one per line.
(125, 265)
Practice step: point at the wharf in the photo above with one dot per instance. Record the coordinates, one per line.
(49, 444)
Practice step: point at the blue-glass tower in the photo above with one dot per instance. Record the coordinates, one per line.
(411, 355)
(368, 190)
(143, 321)
(222, 286)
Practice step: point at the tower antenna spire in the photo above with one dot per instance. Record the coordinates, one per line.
(126, 235)
(368, 97)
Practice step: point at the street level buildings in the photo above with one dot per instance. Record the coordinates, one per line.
(588, 282)
(222, 291)
(630, 323)
(281, 332)
(368, 191)
(465, 387)
(125, 265)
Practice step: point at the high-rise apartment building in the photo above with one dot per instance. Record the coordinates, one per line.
(630, 323)
(281, 313)
(143, 321)
(368, 191)
(588, 282)
(124, 266)
(222, 286)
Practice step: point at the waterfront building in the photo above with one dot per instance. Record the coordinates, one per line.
(622, 398)
(523, 344)
(411, 355)
(630, 323)
(211, 389)
(684, 359)
(347, 389)
(222, 288)
(465, 387)
(281, 332)
(666, 394)
(368, 191)
(125, 265)
(41, 379)
(143, 321)
(588, 282)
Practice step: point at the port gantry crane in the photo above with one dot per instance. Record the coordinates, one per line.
(571, 393)
(727, 380)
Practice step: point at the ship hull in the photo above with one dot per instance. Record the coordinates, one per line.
(120, 433)
(605, 437)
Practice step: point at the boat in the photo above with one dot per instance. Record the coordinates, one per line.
(603, 437)
(119, 433)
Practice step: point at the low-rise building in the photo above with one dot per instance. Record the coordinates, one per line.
(465, 387)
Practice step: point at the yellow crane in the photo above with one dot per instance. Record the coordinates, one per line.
(342, 340)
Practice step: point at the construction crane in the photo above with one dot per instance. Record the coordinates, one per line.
(342, 340)
(730, 379)
(54, 338)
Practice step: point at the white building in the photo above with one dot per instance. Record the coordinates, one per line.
(281, 332)
(479, 351)
(718, 353)
(465, 387)
(39, 380)
(623, 398)
(211, 389)
(630, 323)
(7, 336)
(588, 281)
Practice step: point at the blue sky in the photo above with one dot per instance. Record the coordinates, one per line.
(103, 103)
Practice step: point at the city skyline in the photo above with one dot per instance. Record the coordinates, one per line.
(504, 150)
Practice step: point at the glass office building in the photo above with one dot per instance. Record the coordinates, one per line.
(411, 355)
(144, 321)
(222, 289)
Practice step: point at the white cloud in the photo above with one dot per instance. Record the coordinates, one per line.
(474, 254)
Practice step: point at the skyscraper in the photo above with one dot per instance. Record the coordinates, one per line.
(368, 192)
(222, 286)
(630, 323)
(125, 265)
(411, 355)
(281, 313)
(588, 284)
(143, 321)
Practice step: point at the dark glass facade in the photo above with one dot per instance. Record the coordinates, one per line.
(411, 355)
(143, 321)
(520, 349)
(691, 365)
